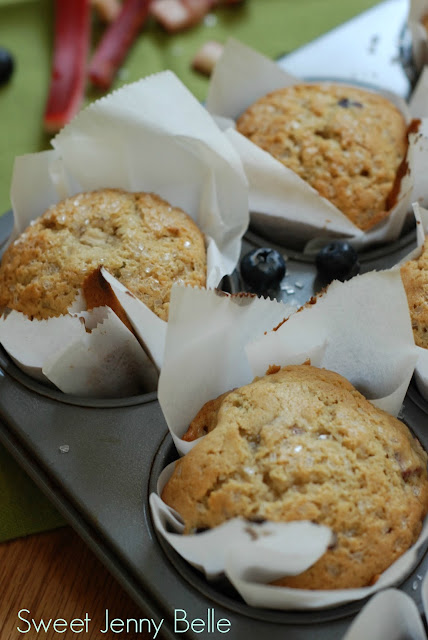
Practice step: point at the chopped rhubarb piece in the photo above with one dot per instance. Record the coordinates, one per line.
(207, 57)
(115, 43)
(173, 15)
(176, 15)
(71, 44)
(107, 10)
(199, 8)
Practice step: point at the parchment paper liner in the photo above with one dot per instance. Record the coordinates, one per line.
(78, 358)
(282, 205)
(152, 135)
(421, 370)
(393, 614)
(346, 331)
(205, 350)
(389, 615)
(418, 33)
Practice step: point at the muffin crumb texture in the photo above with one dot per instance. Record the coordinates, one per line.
(138, 237)
(304, 444)
(347, 143)
(414, 274)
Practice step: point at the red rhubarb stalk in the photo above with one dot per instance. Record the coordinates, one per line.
(116, 42)
(71, 44)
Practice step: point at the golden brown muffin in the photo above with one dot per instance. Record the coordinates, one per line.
(139, 238)
(304, 444)
(347, 143)
(414, 274)
(205, 420)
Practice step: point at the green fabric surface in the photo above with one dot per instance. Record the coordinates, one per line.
(24, 509)
(274, 27)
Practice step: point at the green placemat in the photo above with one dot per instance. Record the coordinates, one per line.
(23, 508)
(274, 27)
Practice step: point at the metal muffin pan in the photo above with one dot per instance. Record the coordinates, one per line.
(116, 450)
(118, 447)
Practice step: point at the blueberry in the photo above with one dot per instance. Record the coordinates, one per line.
(6, 65)
(337, 260)
(263, 268)
(346, 103)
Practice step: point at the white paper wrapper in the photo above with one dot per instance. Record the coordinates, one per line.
(107, 348)
(274, 597)
(421, 370)
(419, 150)
(418, 107)
(364, 327)
(418, 33)
(28, 342)
(273, 547)
(252, 555)
(149, 328)
(360, 329)
(81, 362)
(134, 139)
(204, 353)
(417, 101)
(282, 205)
(389, 615)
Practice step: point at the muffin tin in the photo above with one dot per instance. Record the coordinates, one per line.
(115, 452)
(116, 449)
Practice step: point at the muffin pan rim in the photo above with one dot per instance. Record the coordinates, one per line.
(7, 365)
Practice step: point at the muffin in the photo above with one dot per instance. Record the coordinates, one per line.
(347, 143)
(304, 444)
(142, 240)
(414, 274)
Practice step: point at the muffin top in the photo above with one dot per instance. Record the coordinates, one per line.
(414, 274)
(347, 143)
(304, 444)
(142, 240)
